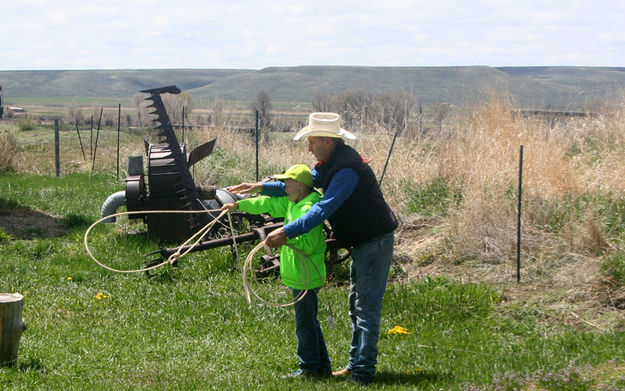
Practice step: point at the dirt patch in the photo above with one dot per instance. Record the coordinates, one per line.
(29, 224)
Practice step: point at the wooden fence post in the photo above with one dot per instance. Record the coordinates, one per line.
(11, 326)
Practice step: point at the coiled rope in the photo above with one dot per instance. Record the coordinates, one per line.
(305, 260)
(304, 279)
(200, 234)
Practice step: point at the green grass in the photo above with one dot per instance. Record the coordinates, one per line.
(608, 208)
(429, 200)
(614, 266)
(25, 123)
(190, 327)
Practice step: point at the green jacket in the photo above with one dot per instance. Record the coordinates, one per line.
(311, 243)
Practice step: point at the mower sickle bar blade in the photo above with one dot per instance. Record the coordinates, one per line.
(185, 189)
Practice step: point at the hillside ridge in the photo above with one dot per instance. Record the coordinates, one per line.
(534, 87)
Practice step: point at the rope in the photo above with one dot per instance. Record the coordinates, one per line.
(172, 258)
(304, 259)
(304, 280)
(305, 275)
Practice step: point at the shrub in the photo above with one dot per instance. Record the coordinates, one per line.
(4, 237)
(429, 200)
(26, 123)
(8, 153)
(614, 266)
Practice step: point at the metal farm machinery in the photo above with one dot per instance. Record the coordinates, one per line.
(168, 186)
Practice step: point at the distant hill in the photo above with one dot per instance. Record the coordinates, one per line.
(531, 87)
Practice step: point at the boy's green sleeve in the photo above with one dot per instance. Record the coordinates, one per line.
(275, 206)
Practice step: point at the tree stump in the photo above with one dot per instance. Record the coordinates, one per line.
(11, 326)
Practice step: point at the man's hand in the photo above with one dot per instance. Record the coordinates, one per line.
(276, 238)
(246, 188)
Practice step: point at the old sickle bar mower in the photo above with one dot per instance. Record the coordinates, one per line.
(170, 186)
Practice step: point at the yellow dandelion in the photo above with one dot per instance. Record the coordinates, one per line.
(399, 330)
(69, 278)
(100, 296)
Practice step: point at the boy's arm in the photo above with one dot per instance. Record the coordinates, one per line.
(275, 206)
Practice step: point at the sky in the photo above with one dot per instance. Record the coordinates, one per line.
(231, 34)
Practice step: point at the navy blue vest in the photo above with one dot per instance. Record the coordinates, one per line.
(365, 214)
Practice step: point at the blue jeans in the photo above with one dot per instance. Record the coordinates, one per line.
(311, 346)
(371, 262)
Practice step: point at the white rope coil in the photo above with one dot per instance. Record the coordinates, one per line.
(304, 259)
(172, 258)
(247, 271)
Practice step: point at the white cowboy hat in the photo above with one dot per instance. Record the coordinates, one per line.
(324, 125)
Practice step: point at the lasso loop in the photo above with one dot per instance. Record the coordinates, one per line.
(172, 258)
(304, 280)
(304, 259)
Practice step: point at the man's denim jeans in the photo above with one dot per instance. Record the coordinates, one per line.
(371, 262)
(311, 346)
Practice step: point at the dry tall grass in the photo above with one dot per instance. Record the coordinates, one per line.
(477, 153)
(8, 152)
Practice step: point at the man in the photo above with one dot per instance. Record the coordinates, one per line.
(361, 220)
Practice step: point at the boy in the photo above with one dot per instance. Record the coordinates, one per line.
(311, 346)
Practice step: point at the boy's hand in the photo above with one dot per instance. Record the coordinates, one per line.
(246, 188)
(229, 206)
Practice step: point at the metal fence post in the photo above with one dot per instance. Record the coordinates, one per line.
(257, 174)
(518, 235)
(91, 139)
(119, 119)
(80, 141)
(57, 158)
(95, 148)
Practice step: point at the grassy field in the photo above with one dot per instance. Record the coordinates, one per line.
(191, 328)
(472, 327)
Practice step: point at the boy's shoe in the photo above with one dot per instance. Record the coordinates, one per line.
(342, 372)
(298, 373)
